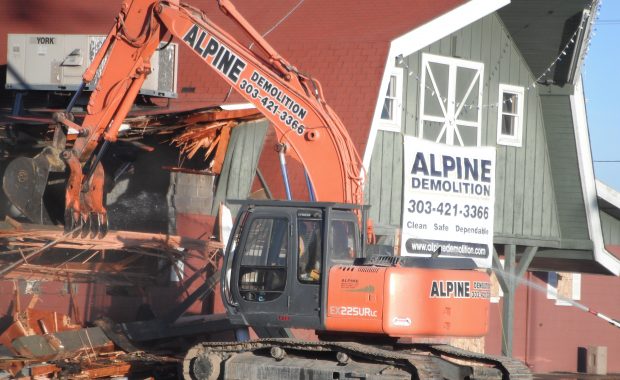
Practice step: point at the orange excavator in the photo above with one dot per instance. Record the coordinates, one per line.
(288, 264)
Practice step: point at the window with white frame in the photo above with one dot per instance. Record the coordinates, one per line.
(564, 287)
(510, 115)
(392, 103)
(450, 100)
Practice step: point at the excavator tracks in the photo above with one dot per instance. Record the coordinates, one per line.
(295, 359)
(511, 368)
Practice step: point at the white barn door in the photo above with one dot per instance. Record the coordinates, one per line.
(451, 100)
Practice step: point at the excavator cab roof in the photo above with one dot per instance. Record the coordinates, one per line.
(297, 204)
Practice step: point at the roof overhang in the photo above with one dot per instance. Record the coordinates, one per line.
(442, 26)
(551, 31)
(609, 202)
(589, 185)
(608, 199)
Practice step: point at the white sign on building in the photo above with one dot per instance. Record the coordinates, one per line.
(449, 195)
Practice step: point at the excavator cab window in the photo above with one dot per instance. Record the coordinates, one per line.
(343, 245)
(309, 234)
(262, 275)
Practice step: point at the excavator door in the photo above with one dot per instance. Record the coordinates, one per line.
(276, 260)
(262, 284)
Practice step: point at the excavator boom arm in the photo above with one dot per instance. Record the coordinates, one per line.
(291, 101)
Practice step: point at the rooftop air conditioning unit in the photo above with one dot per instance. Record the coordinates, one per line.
(56, 62)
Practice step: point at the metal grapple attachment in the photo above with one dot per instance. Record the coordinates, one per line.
(26, 179)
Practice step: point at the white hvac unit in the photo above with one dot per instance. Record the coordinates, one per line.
(57, 62)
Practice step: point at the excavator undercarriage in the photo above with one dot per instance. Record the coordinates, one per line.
(296, 359)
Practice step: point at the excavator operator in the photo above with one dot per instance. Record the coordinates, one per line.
(341, 242)
(309, 264)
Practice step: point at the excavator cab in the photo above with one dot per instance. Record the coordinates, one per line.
(278, 256)
(304, 265)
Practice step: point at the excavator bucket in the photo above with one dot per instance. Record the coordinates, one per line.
(26, 180)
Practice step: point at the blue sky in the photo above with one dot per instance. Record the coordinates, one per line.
(601, 76)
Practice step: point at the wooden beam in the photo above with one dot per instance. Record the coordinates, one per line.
(508, 307)
(508, 278)
(222, 147)
(39, 272)
(25, 242)
(114, 240)
(499, 271)
(263, 183)
(554, 90)
(101, 267)
(525, 261)
(525, 240)
(32, 254)
(213, 116)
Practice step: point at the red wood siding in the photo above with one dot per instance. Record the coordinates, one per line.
(547, 336)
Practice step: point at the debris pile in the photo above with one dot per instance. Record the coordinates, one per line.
(40, 343)
(46, 344)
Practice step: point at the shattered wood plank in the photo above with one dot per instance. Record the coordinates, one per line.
(14, 223)
(222, 147)
(32, 254)
(77, 267)
(99, 266)
(62, 270)
(114, 240)
(103, 278)
(30, 240)
(186, 170)
(41, 369)
(224, 115)
(30, 268)
(120, 265)
(42, 273)
(98, 371)
(198, 137)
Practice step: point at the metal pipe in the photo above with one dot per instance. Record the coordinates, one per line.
(310, 188)
(96, 160)
(18, 104)
(287, 186)
(75, 97)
